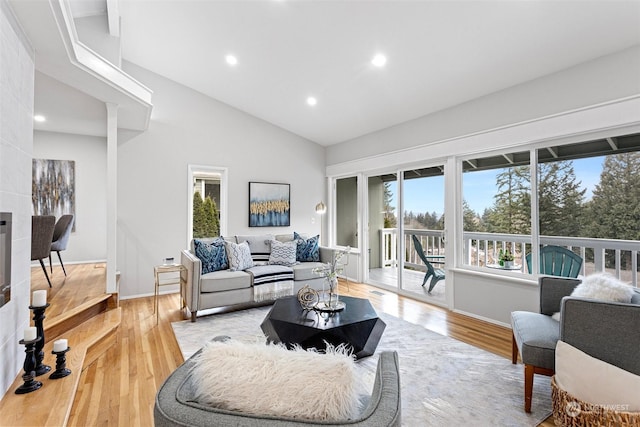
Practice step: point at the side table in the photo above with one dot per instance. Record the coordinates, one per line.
(158, 270)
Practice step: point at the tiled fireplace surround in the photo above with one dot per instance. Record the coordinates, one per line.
(16, 150)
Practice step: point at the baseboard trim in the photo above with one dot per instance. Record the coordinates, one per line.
(484, 319)
(122, 298)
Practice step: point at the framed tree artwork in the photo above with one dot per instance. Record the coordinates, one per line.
(269, 204)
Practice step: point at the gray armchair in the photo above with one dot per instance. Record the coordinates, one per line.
(599, 328)
(609, 331)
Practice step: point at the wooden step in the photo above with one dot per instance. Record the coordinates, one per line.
(51, 405)
(69, 319)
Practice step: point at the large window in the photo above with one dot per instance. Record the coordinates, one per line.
(496, 209)
(584, 197)
(587, 201)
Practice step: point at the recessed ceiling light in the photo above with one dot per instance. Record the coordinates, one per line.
(312, 101)
(39, 118)
(231, 60)
(379, 60)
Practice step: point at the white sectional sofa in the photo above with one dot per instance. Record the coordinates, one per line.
(257, 285)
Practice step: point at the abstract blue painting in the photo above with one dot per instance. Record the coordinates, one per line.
(53, 188)
(269, 204)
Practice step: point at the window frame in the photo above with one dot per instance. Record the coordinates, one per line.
(192, 172)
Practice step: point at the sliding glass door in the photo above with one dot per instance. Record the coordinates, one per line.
(423, 233)
(383, 230)
(398, 210)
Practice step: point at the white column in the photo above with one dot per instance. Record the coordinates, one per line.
(453, 223)
(112, 196)
(535, 213)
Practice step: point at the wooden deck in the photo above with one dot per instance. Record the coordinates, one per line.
(411, 282)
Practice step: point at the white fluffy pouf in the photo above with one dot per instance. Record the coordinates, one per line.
(271, 380)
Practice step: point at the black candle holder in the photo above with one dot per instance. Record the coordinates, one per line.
(61, 365)
(30, 384)
(38, 317)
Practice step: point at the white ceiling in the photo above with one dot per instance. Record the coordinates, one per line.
(440, 53)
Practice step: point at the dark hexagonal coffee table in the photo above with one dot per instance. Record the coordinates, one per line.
(357, 325)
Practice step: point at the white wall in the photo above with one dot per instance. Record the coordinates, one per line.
(601, 80)
(16, 144)
(88, 242)
(189, 128)
(492, 297)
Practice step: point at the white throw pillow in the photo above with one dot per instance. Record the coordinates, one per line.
(283, 253)
(270, 380)
(239, 256)
(594, 381)
(603, 286)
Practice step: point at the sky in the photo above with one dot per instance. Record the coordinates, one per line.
(427, 194)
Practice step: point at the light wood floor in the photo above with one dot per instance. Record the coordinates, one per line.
(120, 387)
(82, 283)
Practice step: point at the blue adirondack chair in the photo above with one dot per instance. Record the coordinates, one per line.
(436, 274)
(557, 261)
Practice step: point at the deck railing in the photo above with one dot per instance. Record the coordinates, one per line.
(432, 243)
(618, 257)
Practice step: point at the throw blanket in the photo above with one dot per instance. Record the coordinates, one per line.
(271, 282)
(270, 273)
(272, 291)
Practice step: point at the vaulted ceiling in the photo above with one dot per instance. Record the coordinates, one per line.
(438, 53)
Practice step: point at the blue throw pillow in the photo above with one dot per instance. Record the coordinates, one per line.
(213, 256)
(307, 250)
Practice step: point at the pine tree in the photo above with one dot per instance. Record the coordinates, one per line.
(409, 219)
(511, 212)
(390, 220)
(439, 223)
(212, 223)
(614, 210)
(199, 223)
(559, 198)
(216, 217)
(470, 219)
(485, 220)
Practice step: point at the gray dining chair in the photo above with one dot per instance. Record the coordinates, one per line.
(61, 238)
(42, 227)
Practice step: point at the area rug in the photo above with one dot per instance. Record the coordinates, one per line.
(443, 381)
